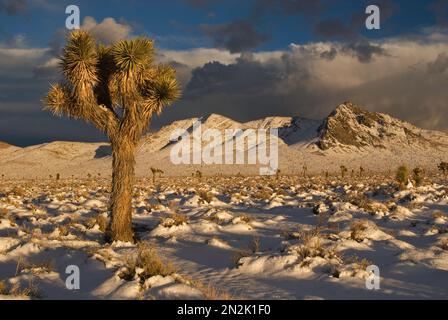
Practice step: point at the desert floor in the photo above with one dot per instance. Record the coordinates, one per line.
(227, 238)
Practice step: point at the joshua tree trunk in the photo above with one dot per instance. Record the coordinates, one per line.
(122, 186)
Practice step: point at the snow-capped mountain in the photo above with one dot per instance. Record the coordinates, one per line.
(349, 136)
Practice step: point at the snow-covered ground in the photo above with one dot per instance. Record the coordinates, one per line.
(284, 237)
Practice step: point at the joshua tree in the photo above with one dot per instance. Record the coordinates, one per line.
(118, 89)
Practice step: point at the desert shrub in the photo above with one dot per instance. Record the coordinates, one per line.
(443, 166)
(24, 264)
(99, 220)
(102, 222)
(438, 214)
(255, 244)
(402, 176)
(3, 288)
(444, 244)
(312, 247)
(239, 254)
(205, 195)
(18, 191)
(3, 212)
(358, 229)
(32, 290)
(263, 194)
(174, 219)
(244, 218)
(418, 176)
(212, 293)
(64, 230)
(156, 172)
(360, 264)
(151, 263)
(147, 262)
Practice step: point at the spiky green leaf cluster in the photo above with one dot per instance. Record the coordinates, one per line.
(101, 79)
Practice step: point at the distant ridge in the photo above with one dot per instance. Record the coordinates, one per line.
(4, 145)
(351, 136)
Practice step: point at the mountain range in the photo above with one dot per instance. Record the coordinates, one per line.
(349, 136)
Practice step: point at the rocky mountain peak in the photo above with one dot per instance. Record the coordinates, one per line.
(352, 127)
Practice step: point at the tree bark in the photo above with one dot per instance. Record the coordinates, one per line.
(123, 164)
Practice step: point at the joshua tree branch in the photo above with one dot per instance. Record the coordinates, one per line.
(60, 101)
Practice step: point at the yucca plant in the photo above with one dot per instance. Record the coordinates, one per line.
(118, 89)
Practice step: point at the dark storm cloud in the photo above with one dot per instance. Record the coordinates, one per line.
(311, 81)
(236, 36)
(13, 7)
(351, 25)
(364, 50)
(329, 54)
(440, 9)
(245, 76)
(246, 89)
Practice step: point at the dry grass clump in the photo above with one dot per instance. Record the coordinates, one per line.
(210, 292)
(99, 220)
(313, 245)
(174, 219)
(244, 218)
(253, 247)
(146, 264)
(64, 230)
(360, 264)
(438, 214)
(3, 212)
(18, 192)
(263, 194)
(444, 244)
(38, 265)
(3, 288)
(32, 290)
(205, 196)
(12, 221)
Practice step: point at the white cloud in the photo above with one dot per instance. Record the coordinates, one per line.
(108, 31)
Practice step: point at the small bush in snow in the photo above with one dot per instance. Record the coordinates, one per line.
(174, 219)
(418, 176)
(3, 212)
(402, 176)
(358, 230)
(3, 288)
(205, 196)
(151, 263)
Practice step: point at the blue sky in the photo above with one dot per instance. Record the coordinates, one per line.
(177, 22)
(243, 59)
